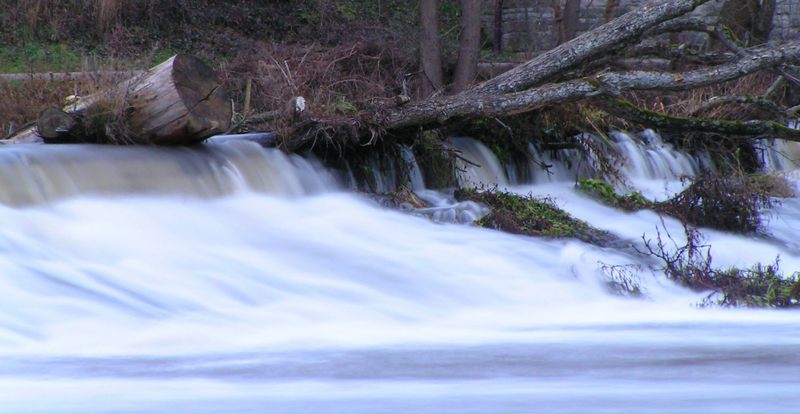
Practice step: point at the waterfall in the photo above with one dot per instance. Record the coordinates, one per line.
(42, 174)
(234, 278)
(477, 165)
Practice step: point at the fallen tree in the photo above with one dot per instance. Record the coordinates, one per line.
(581, 71)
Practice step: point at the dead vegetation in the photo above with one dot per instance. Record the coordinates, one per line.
(339, 84)
(690, 264)
(730, 203)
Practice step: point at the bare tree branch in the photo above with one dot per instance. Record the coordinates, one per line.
(629, 111)
(440, 111)
(611, 36)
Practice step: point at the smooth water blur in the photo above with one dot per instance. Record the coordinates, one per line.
(238, 279)
(40, 174)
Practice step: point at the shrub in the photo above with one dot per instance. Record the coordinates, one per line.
(730, 203)
(690, 265)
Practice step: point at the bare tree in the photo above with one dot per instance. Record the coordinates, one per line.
(469, 44)
(749, 20)
(430, 48)
(611, 6)
(570, 19)
(498, 26)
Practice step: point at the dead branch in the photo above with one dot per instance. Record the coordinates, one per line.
(611, 36)
(757, 101)
(627, 110)
(435, 112)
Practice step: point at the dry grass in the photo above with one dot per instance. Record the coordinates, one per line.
(22, 101)
(690, 103)
(26, 99)
(57, 17)
(336, 82)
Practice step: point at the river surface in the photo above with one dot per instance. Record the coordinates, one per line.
(236, 279)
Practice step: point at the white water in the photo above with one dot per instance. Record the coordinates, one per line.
(236, 279)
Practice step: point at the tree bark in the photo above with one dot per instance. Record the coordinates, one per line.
(435, 112)
(54, 123)
(430, 48)
(469, 45)
(609, 37)
(611, 7)
(178, 102)
(651, 119)
(498, 26)
(570, 19)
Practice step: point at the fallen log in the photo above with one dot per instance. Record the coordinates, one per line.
(609, 37)
(26, 135)
(58, 76)
(54, 123)
(177, 102)
(437, 112)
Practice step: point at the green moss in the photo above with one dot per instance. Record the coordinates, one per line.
(604, 192)
(531, 216)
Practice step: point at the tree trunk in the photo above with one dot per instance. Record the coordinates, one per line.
(611, 7)
(178, 102)
(762, 26)
(54, 123)
(570, 19)
(430, 48)
(469, 45)
(609, 37)
(498, 26)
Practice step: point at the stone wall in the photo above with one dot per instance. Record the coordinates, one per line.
(530, 26)
(786, 23)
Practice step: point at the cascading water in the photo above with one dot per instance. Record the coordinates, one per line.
(233, 278)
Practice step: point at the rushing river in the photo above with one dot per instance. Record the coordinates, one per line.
(234, 278)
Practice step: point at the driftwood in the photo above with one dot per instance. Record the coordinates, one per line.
(177, 102)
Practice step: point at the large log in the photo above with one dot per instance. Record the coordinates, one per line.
(54, 123)
(177, 102)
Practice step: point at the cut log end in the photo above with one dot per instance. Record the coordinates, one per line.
(54, 123)
(178, 102)
(206, 101)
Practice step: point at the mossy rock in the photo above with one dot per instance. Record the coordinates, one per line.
(531, 216)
